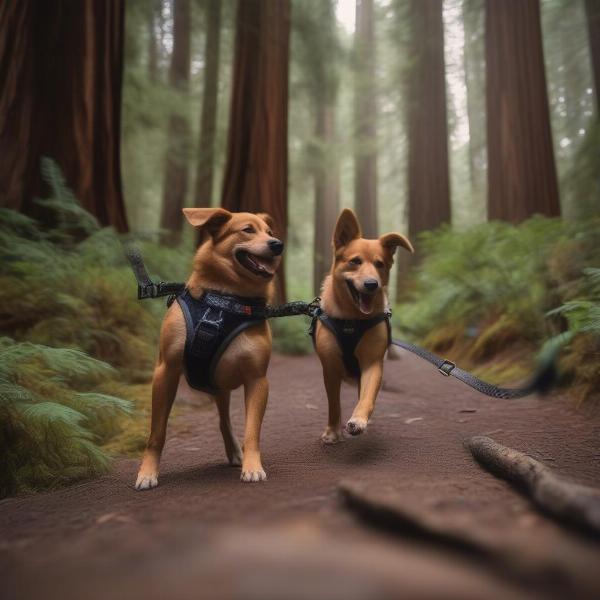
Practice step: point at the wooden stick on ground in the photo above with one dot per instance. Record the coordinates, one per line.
(577, 504)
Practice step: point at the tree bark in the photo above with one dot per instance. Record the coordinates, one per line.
(592, 9)
(316, 28)
(428, 173)
(564, 500)
(327, 191)
(208, 117)
(522, 177)
(256, 172)
(61, 67)
(365, 119)
(474, 66)
(176, 163)
(154, 9)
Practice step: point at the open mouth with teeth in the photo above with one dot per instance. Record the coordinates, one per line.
(362, 300)
(259, 265)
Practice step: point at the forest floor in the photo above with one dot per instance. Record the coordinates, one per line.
(202, 533)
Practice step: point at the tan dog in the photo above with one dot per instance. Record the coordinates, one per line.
(355, 292)
(238, 255)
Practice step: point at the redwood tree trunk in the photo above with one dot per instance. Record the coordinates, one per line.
(474, 66)
(154, 8)
(208, 117)
(428, 176)
(592, 9)
(327, 190)
(61, 68)
(521, 173)
(176, 166)
(256, 172)
(365, 118)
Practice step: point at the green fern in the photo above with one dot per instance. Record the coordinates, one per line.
(480, 292)
(51, 423)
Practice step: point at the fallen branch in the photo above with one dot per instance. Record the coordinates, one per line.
(571, 502)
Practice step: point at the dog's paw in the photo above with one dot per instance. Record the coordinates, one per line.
(356, 426)
(146, 481)
(253, 476)
(331, 436)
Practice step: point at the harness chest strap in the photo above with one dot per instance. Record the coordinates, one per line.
(212, 322)
(348, 333)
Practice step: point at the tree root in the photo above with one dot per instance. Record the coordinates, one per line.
(570, 502)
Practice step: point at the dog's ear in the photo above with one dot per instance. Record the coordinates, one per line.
(268, 219)
(347, 229)
(207, 219)
(390, 241)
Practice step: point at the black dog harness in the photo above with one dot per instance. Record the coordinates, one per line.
(348, 333)
(212, 322)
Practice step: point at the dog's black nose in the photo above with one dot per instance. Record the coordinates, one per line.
(276, 247)
(371, 284)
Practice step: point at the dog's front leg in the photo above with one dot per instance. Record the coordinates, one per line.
(370, 382)
(333, 381)
(256, 393)
(164, 388)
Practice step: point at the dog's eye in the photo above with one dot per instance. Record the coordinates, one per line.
(355, 261)
(270, 233)
(379, 264)
(249, 229)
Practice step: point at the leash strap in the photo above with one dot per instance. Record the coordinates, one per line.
(540, 382)
(146, 287)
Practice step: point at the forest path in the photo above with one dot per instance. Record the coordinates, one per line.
(202, 533)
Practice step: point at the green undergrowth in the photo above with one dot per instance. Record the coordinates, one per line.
(54, 416)
(290, 335)
(78, 347)
(492, 297)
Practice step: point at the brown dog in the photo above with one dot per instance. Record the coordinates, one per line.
(352, 334)
(238, 256)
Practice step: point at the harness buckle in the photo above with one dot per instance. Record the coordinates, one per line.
(206, 331)
(446, 367)
(348, 328)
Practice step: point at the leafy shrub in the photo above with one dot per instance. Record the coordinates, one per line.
(498, 288)
(53, 418)
(290, 335)
(65, 283)
(582, 338)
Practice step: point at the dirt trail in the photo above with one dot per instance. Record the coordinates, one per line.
(202, 533)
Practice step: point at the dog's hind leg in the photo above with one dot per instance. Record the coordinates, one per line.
(164, 388)
(232, 446)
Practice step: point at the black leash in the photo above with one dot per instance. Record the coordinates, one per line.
(542, 380)
(146, 287)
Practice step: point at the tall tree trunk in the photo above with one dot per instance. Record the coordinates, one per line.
(521, 170)
(474, 67)
(327, 190)
(428, 175)
(178, 143)
(208, 117)
(154, 8)
(256, 172)
(592, 9)
(365, 119)
(61, 67)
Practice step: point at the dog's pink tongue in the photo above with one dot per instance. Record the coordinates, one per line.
(267, 265)
(366, 303)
